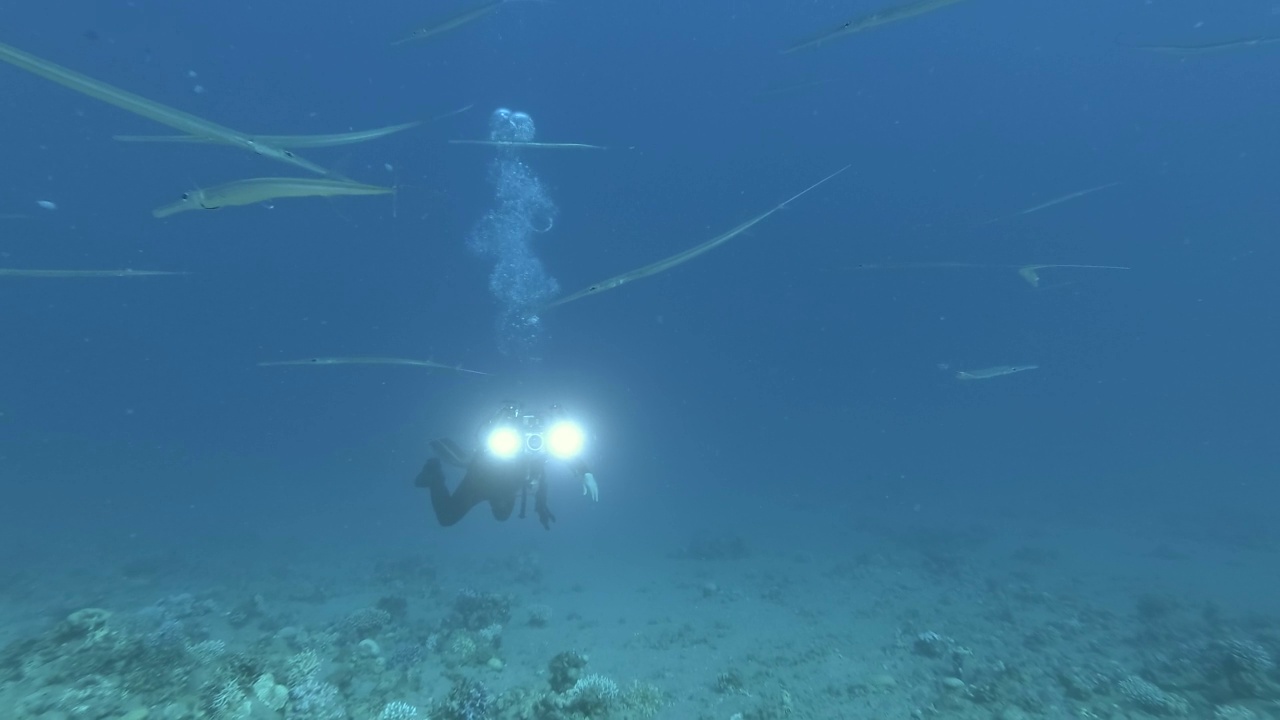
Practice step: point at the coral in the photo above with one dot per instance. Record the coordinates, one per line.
(322, 642)
(93, 643)
(90, 697)
(174, 620)
(253, 609)
(1245, 656)
(207, 652)
(931, 644)
(643, 700)
(302, 667)
(471, 648)
(1152, 699)
(398, 711)
(593, 695)
(468, 700)
(538, 615)
(365, 622)
(1241, 669)
(244, 668)
(229, 701)
(473, 610)
(89, 623)
(1233, 712)
(994, 682)
(491, 634)
(462, 646)
(269, 693)
(407, 655)
(1082, 683)
(184, 606)
(730, 682)
(315, 700)
(565, 669)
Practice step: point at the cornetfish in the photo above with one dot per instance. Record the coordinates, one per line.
(1030, 273)
(1212, 47)
(1056, 201)
(149, 109)
(285, 141)
(875, 19)
(431, 364)
(993, 372)
(256, 190)
(451, 23)
(1065, 198)
(20, 272)
(686, 255)
(534, 145)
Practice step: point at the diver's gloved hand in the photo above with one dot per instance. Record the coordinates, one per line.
(589, 487)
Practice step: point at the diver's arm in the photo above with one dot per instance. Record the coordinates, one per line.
(589, 487)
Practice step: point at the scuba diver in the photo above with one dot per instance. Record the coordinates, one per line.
(512, 462)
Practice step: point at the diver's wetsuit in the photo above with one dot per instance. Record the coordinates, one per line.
(494, 479)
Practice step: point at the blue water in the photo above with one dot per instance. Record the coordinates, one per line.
(772, 372)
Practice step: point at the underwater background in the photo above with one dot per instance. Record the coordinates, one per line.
(803, 510)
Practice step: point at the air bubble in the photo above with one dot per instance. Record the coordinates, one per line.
(505, 235)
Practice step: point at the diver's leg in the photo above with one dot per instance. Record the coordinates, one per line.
(449, 451)
(449, 508)
(503, 505)
(430, 475)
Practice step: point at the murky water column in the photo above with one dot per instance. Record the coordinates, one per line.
(506, 234)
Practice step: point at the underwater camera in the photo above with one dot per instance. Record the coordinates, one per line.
(513, 433)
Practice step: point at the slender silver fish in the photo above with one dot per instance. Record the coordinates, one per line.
(1213, 47)
(429, 364)
(875, 19)
(1056, 201)
(685, 255)
(284, 141)
(452, 22)
(993, 372)
(1068, 196)
(256, 190)
(1027, 272)
(531, 145)
(929, 265)
(150, 109)
(292, 141)
(22, 272)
